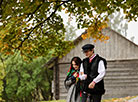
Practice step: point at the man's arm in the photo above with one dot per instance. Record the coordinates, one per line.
(101, 71)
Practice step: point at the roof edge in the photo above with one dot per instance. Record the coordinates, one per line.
(121, 36)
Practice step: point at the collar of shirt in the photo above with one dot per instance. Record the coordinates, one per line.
(90, 59)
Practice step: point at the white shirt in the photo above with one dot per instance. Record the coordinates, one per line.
(101, 71)
(82, 77)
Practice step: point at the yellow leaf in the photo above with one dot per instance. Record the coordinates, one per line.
(95, 40)
(84, 36)
(105, 41)
(3, 49)
(35, 56)
(63, 8)
(107, 37)
(7, 53)
(66, 11)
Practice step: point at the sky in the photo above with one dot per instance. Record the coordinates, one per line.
(131, 32)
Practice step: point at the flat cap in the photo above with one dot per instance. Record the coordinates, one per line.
(87, 47)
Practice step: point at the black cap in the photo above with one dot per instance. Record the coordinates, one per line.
(87, 47)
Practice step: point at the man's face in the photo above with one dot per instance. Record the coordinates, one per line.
(88, 53)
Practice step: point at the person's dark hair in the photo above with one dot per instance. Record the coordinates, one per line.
(77, 60)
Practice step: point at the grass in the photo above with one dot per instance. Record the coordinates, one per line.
(107, 100)
(55, 101)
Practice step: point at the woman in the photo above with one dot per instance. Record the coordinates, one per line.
(72, 81)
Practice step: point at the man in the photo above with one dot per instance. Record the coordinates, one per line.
(94, 67)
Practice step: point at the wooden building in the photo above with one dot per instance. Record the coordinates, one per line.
(121, 78)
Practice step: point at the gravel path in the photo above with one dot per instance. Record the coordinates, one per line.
(133, 99)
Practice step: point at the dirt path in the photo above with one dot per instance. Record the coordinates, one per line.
(133, 99)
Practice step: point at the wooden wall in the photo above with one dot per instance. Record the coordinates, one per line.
(121, 79)
(116, 48)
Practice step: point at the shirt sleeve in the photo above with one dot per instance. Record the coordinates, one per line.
(81, 68)
(101, 71)
(82, 77)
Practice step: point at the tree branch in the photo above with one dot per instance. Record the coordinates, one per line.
(41, 23)
(1, 3)
(34, 11)
(2, 60)
(58, 1)
(1, 7)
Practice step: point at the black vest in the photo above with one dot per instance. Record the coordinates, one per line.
(91, 69)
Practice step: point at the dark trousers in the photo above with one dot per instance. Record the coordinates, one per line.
(91, 98)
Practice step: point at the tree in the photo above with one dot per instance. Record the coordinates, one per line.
(34, 26)
(132, 38)
(2, 74)
(70, 34)
(26, 82)
(118, 23)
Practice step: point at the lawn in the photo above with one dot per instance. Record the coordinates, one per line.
(55, 101)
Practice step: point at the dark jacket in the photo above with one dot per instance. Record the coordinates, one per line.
(73, 89)
(91, 69)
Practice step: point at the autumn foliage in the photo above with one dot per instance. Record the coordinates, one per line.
(35, 27)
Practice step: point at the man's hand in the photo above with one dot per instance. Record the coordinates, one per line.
(92, 85)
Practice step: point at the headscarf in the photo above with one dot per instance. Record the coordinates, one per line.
(71, 72)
